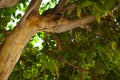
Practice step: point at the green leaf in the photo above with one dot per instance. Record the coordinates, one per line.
(86, 4)
(98, 11)
(48, 64)
(79, 11)
(19, 16)
(109, 4)
(114, 45)
(27, 74)
(56, 68)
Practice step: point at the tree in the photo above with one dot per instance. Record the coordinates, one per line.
(80, 40)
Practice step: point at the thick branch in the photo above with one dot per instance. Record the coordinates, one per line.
(60, 5)
(8, 3)
(16, 41)
(34, 5)
(74, 23)
(14, 45)
(71, 24)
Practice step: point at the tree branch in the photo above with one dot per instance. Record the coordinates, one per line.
(34, 5)
(8, 3)
(77, 67)
(60, 5)
(71, 24)
(56, 9)
(114, 9)
(68, 8)
(74, 24)
(16, 42)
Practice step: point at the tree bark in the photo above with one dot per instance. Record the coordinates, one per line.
(14, 44)
(8, 3)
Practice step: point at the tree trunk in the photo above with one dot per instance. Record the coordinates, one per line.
(14, 44)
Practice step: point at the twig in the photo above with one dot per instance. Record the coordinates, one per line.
(80, 69)
(114, 9)
(73, 73)
(58, 42)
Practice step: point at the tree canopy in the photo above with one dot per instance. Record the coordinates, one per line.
(86, 52)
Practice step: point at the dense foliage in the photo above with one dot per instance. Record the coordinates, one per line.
(79, 54)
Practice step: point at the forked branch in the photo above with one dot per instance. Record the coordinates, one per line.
(56, 9)
(33, 6)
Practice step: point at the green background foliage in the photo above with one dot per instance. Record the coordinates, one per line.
(79, 54)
